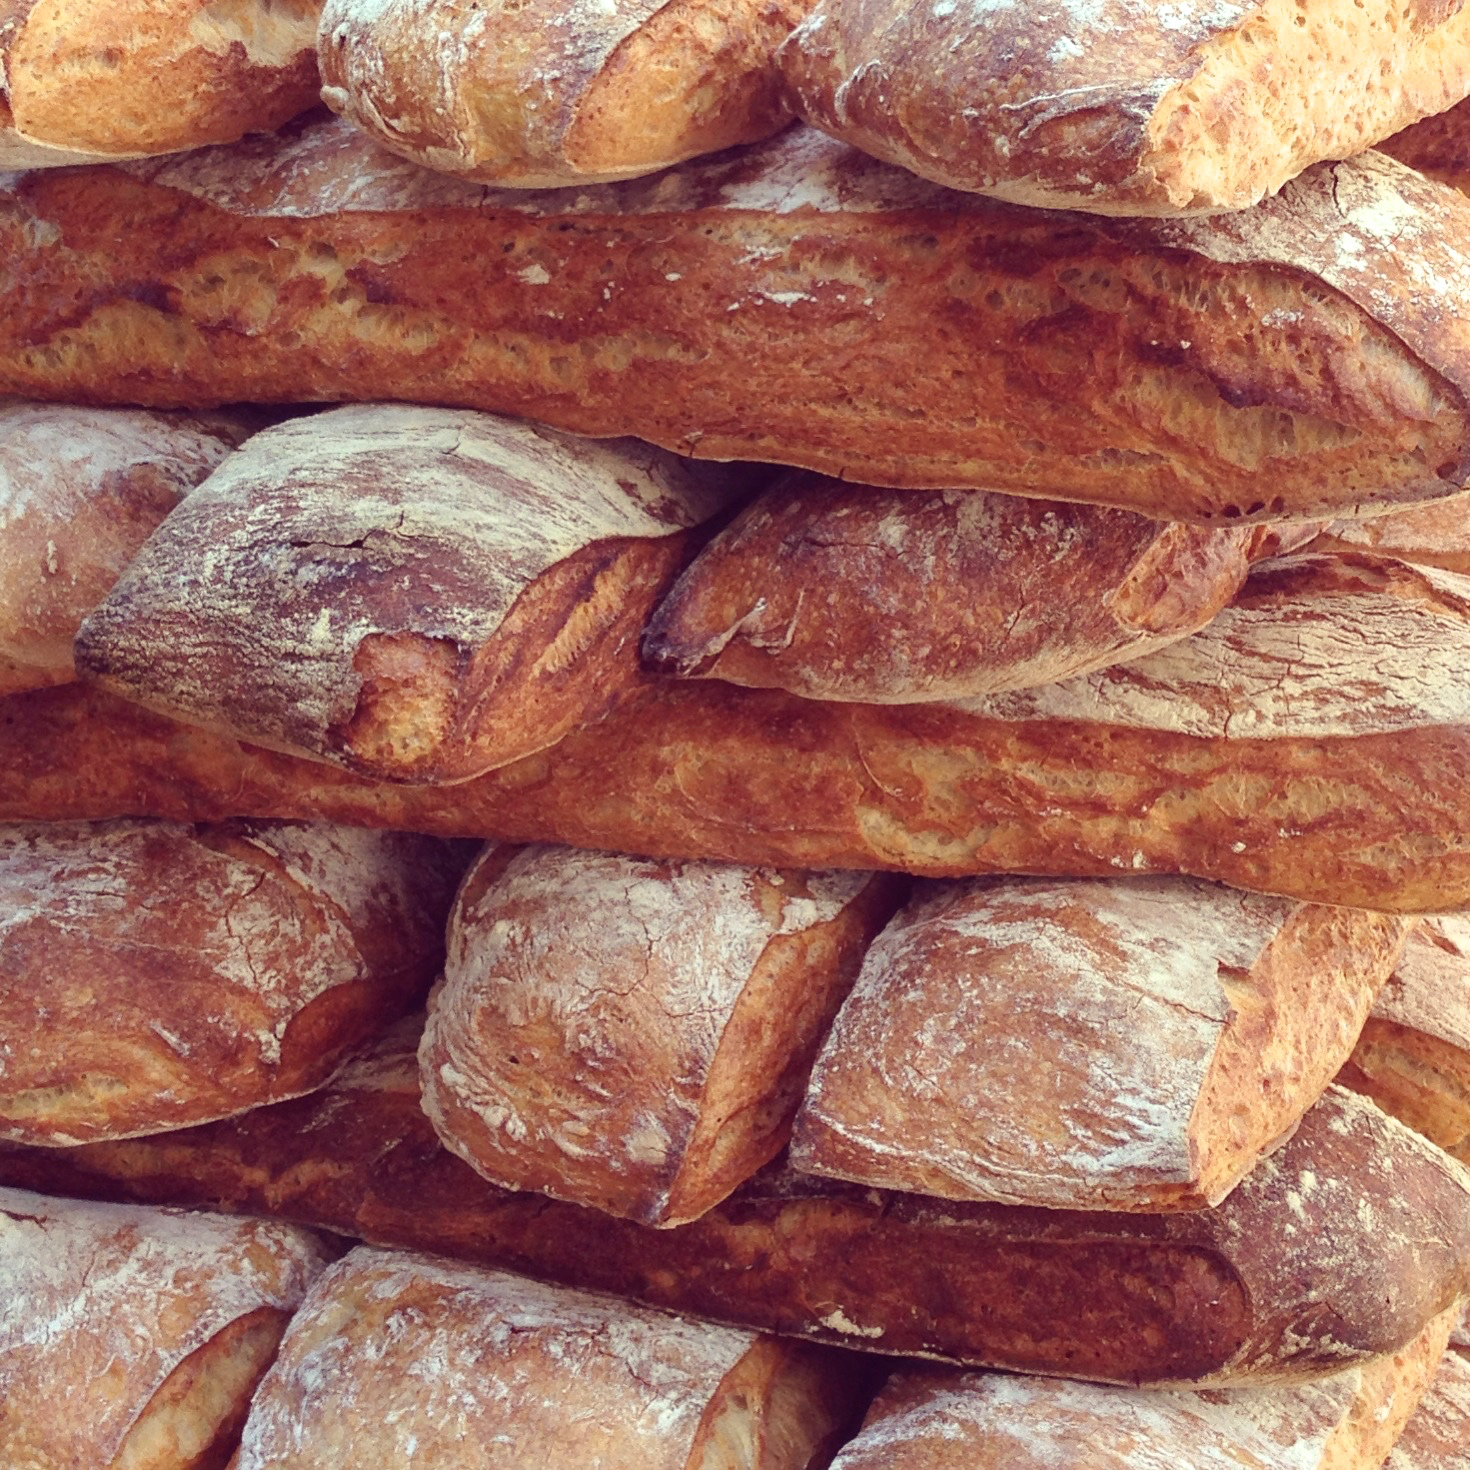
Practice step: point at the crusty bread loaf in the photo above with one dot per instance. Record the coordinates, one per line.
(837, 591)
(401, 1360)
(1436, 535)
(84, 79)
(1438, 1435)
(1122, 109)
(982, 1421)
(1311, 741)
(1339, 1247)
(81, 489)
(132, 1339)
(795, 302)
(546, 93)
(418, 594)
(1413, 1058)
(1120, 1045)
(153, 975)
(1439, 146)
(636, 1035)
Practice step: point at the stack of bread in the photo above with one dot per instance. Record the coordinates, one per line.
(688, 789)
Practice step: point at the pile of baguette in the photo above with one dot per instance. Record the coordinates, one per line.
(733, 735)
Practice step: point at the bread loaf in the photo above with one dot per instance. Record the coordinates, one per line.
(1439, 146)
(1436, 535)
(1115, 1045)
(1413, 1058)
(123, 78)
(1438, 1436)
(1122, 109)
(836, 591)
(418, 594)
(153, 976)
(1340, 1247)
(795, 302)
(132, 1339)
(545, 94)
(1311, 741)
(633, 1035)
(399, 1360)
(81, 489)
(975, 1421)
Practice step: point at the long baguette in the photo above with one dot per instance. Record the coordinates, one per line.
(1340, 1247)
(795, 302)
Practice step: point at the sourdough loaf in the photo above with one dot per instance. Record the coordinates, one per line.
(974, 1421)
(1340, 1247)
(1111, 106)
(132, 1339)
(794, 302)
(1438, 1436)
(836, 591)
(636, 1035)
(154, 975)
(415, 593)
(399, 1360)
(81, 489)
(1413, 1058)
(1311, 741)
(1116, 1045)
(547, 93)
(85, 79)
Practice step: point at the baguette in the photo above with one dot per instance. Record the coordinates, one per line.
(636, 1036)
(132, 1339)
(126, 78)
(80, 491)
(834, 591)
(1339, 783)
(795, 302)
(548, 94)
(153, 976)
(417, 594)
(1438, 1436)
(1413, 1058)
(973, 1421)
(1116, 1045)
(525, 1376)
(1439, 146)
(1436, 535)
(1185, 109)
(1340, 1247)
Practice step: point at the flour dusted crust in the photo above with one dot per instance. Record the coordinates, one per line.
(836, 591)
(550, 93)
(399, 1359)
(415, 593)
(1309, 357)
(84, 80)
(1413, 1057)
(132, 1338)
(1122, 107)
(1435, 1438)
(81, 489)
(1125, 1044)
(153, 975)
(1340, 1247)
(972, 1421)
(636, 1035)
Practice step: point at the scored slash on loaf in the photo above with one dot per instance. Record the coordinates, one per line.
(794, 302)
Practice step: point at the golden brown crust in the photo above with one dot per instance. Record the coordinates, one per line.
(80, 491)
(1438, 146)
(417, 594)
(1119, 107)
(1436, 535)
(234, 965)
(836, 591)
(1293, 1276)
(132, 1338)
(123, 78)
(1434, 1438)
(635, 1036)
(1124, 1045)
(1305, 358)
(546, 94)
